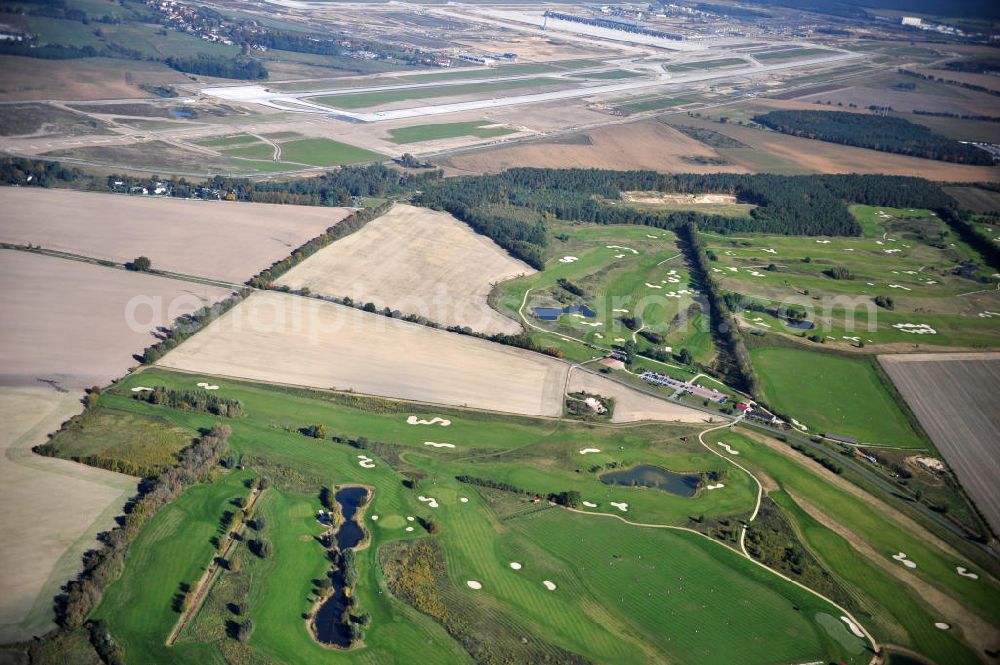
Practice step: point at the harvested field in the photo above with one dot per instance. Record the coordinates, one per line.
(956, 397)
(631, 404)
(280, 338)
(88, 78)
(641, 145)
(975, 198)
(50, 509)
(418, 261)
(177, 235)
(67, 320)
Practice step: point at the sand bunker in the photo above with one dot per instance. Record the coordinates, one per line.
(439, 445)
(584, 451)
(853, 626)
(409, 528)
(473, 584)
(429, 500)
(622, 506)
(374, 518)
(624, 249)
(901, 557)
(207, 386)
(941, 626)
(410, 518)
(916, 328)
(568, 259)
(729, 449)
(965, 573)
(717, 486)
(588, 504)
(366, 462)
(141, 389)
(463, 499)
(515, 565)
(551, 586)
(413, 420)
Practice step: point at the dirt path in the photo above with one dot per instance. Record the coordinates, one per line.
(211, 574)
(277, 147)
(841, 483)
(979, 634)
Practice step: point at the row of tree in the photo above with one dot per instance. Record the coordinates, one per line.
(191, 400)
(104, 565)
(187, 325)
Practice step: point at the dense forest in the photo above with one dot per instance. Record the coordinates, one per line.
(229, 68)
(884, 133)
(511, 207)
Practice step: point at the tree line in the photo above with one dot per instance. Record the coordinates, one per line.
(187, 325)
(884, 133)
(191, 400)
(104, 565)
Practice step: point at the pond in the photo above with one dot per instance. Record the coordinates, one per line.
(329, 625)
(647, 475)
(553, 313)
(800, 325)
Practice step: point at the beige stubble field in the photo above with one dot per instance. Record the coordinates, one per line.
(418, 261)
(215, 239)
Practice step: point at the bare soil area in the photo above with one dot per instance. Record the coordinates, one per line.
(418, 261)
(640, 145)
(292, 340)
(50, 509)
(68, 321)
(89, 78)
(176, 234)
(956, 397)
(630, 404)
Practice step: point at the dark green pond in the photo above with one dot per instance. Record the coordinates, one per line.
(647, 475)
(330, 626)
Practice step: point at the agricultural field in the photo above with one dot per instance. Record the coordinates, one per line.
(95, 318)
(954, 397)
(481, 531)
(482, 129)
(417, 261)
(177, 235)
(56, 507)
(89, 78)
(907, 258)
(833, 394)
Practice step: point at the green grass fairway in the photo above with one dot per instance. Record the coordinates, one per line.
(713, 598)
(791, 54)
(325, 152)
(705, 64)
(832, 394)
(368, 99)
(482, 129)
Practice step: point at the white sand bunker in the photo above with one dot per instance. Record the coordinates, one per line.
(621, 311)
(965, 573)
(941, 625)
(717, 486)
(551, 586)
(141, 389)
(464, 499)
(823, 242)
(589, 504)
(429, 500)
(410, 518)
(622, 506)
(769, 250)
(584, 451)
(409, 528)
(901, 557)
(515, 565)
(473, 584)
(413, 420)
(653, 286)
(568, 259)
(366, 462)
(439, 445)
(207, 386)
(853, 626)
(728, 448)
(915, 328)
(624, 249)
(374, 518)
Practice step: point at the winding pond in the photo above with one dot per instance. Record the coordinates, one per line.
(647, 475)
(330, 629)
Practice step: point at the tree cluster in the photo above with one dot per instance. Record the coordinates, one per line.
(191, 400)
(885, 133)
